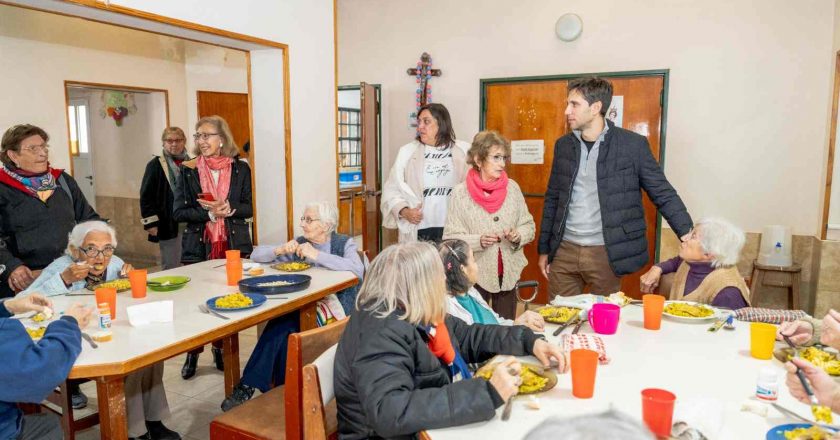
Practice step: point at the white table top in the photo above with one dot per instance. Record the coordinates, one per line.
(685, 359)
(207, 281)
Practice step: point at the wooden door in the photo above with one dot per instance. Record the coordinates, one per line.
(234, 108)
(371, 219)
(533, 110)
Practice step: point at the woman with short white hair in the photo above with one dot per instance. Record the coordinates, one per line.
(320, 246)
(401, 363)
(705, 267)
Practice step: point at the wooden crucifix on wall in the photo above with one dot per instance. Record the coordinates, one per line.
(423, 73)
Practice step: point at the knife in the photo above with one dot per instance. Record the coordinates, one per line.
(717, 325)
(577, 326)
(566, 324)
(90, 340)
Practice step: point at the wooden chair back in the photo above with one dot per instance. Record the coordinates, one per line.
(318, 391)
(304, 348)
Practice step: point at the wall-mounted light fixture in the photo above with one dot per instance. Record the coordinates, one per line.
(568, 27)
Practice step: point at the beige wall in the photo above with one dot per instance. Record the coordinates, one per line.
(746, 134)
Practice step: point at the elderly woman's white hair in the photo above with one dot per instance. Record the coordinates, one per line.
(606, 425)
(327, 212)
(721, 239)
(81, 230)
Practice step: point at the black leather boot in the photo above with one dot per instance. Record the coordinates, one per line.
(188, 370)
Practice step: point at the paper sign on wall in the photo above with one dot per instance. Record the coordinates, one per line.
(528, 152)
(616, 111)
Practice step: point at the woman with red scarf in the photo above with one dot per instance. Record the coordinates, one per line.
(213, 197)
(488, 212)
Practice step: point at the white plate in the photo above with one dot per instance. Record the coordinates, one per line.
(689, 319)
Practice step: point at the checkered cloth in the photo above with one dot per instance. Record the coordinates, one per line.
(588, 342)
(770, 316)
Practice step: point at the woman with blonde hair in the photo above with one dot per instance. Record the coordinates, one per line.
(399, 367)
(213, 197)
(488, 211)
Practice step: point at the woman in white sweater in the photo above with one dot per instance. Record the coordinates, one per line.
(416, 195)
(465, 302)
(488, 211)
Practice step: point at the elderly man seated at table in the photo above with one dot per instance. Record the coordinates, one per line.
(31, 370)
(319, 246)
(90, 260)
(705, 268)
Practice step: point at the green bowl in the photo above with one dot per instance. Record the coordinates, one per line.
(175, 282)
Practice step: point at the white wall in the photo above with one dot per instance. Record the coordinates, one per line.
(749, 82)
(307, 27)
(212, 69)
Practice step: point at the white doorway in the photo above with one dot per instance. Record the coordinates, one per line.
(78, 111)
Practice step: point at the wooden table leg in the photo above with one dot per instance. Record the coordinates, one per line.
(308, 317)
(113, 424)
(230, 350)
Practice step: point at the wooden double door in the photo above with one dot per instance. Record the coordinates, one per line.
(533, 109)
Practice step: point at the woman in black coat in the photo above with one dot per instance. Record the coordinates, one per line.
(400, 366)
(213, 198)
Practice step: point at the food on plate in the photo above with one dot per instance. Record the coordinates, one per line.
(46, 315)
(558, 314)
(292, 266)
(531, 381)
(119, 284)
(274, 283)
(688, 310)
(256, 271)
(619, 299)
(36, 333)
(822, 413)
(809, 433)
(235, 300)
(823, 359)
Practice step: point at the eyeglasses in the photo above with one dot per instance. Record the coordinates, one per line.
(175, 141)
(308, 220)
(204, 136)
(43, 148)
(499, 158)
(93, 252)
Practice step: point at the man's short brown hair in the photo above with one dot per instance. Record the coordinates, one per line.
(593, 89)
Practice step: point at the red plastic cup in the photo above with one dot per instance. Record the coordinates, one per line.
(233, 267)
(584, 365)
(107, 295)
(653, 304)
(658, 410)
(137, 278)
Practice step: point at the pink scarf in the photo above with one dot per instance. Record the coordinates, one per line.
(488, 195)
(215, 231)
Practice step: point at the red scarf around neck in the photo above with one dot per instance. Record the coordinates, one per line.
(215, 231)
(488, 195)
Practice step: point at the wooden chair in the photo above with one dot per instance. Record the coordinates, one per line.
(277, 414)
(319, 422)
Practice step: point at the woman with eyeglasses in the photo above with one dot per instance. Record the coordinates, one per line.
(319, 246)
(89, 259)
(416, 195)
(213, 198)
(39, 205)
(488, 211)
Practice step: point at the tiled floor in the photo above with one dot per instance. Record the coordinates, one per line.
(193, 403)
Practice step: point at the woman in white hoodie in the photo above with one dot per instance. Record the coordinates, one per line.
(416, 194)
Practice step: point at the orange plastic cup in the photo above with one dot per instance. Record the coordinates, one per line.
(233, 266)
(584, 365)
(137, 278)
(658, 410)
(653, 305)
(762, 340)
(107, 295)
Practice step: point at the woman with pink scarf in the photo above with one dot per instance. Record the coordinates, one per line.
(213, 197)
(488, 212)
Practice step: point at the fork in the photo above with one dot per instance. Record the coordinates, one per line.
(823, 427)
(205, 309)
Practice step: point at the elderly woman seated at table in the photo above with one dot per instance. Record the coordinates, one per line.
(319, 246)
(401, 364)
(705, 268)
(465, 302)
(89, 260)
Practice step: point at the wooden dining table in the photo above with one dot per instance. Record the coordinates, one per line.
(134, 348)
(712, 375)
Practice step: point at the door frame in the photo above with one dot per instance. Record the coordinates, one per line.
(378, 89)
(663, 100)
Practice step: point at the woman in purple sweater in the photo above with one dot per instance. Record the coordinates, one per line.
(705, 268)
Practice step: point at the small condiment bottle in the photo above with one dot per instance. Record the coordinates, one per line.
(767, 387)
(104, 315)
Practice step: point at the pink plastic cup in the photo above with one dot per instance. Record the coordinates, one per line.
(603, 318)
